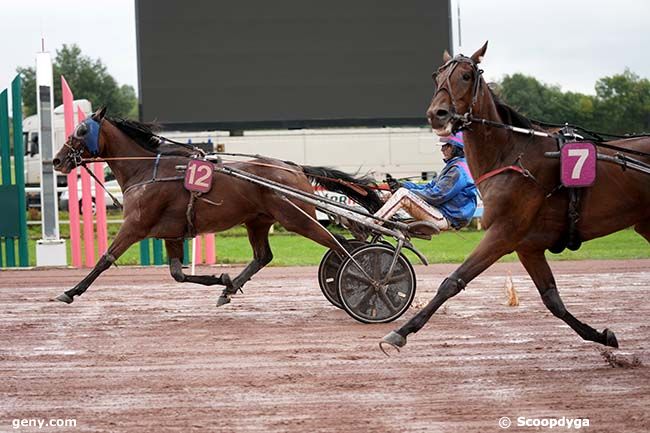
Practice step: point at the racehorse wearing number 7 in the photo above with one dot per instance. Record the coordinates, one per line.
(156, 204)
(525, 207)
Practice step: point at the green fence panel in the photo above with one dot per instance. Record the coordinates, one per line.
(145, 252)
(5, 154)
(157, 252)
(9, 227)
(19, 167)
(145, 257)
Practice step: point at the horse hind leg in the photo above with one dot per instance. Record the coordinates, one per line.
(539, 270)
(175, 253)
(297, 218)
(258, 236)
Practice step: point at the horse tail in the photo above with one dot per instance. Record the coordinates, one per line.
(362, 189)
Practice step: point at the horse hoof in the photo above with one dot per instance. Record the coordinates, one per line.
(393, 339)
(64, 298)
(610, 338)
(223, 299)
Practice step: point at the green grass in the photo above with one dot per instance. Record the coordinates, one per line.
(292, 250)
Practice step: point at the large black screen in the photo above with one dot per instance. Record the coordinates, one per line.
(243, 64)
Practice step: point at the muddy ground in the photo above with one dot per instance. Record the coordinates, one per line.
(140, 352)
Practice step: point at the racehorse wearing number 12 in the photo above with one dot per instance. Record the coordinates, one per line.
(157, 205)
(525, 214)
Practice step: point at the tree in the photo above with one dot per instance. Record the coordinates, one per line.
(623, 103)
(545, 102)
(87, 78)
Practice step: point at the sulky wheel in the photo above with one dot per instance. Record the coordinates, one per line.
(327, 271)
(373, 300)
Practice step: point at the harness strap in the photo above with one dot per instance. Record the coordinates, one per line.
(190, 214)
(493, 173)
(517, 166)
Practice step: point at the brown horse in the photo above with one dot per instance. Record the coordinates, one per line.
(525, 209)
(156, 204)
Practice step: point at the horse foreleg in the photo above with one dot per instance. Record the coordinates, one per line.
(124, 239)
(496, 243)
(539, 270)
(258, 236)
(174, 249)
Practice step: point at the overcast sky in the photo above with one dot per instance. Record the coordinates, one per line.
(571, 43)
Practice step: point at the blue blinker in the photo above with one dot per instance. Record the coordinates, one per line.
(91, 139)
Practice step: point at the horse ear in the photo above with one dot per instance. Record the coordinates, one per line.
(446, 56)
(478, 55)
(99, 114)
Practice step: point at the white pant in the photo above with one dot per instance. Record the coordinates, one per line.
(415, 206)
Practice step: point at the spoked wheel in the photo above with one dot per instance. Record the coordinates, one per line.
(327, 271)
(366, 295)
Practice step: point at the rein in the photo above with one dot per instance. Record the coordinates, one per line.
(350, 185)
(599, 142)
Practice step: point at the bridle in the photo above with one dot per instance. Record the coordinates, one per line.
(76, 154)
(448, 69)
(81, 133)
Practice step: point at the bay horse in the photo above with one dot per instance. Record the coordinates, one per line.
(157, 205)
(525, 206)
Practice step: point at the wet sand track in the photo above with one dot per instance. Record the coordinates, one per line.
(140, 352)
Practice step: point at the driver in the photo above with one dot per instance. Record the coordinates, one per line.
(448, 201)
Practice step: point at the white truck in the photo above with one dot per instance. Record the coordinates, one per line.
(402, 152)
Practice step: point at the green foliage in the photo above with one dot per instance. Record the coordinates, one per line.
(621, 104)
(88, 79)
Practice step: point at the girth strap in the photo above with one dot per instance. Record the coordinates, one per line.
(190, 214)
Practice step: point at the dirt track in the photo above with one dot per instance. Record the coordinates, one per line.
(140, 352)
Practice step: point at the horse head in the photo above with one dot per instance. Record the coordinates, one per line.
(457, 84)
(84, 142)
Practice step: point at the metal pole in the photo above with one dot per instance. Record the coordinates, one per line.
(193, 256)
(50, 250)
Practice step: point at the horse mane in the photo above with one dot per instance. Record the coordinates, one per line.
(509, 115)
(145, 136)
